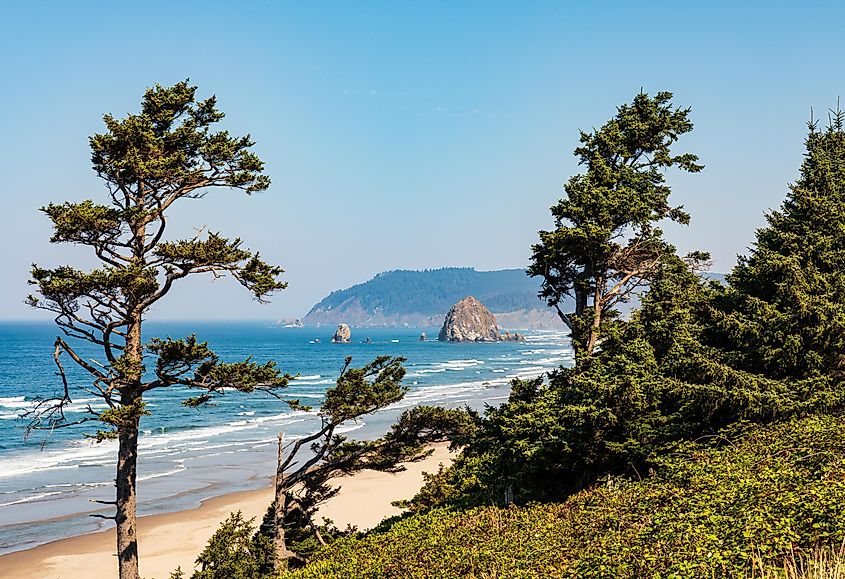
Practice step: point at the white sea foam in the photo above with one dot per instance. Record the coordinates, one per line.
(15, 402)
(538, 361)
(288, 417)
(314, 382)
(349, 427)
(86, 454)
(179, 468)
(31, 498)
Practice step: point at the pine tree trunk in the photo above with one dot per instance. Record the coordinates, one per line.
(597, 315)
(127, 502)
(282, 554)
(577, 331)
(127, 459)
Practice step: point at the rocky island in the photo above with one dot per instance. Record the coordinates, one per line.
(469, 321)
(342, 335)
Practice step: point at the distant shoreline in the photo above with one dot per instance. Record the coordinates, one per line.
(175, 539)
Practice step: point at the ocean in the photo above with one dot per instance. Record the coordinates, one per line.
(48, 480)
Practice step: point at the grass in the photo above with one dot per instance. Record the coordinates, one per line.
(822, 563)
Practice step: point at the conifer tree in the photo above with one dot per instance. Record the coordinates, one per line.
(605, 243)
(783, 315)
(307, 466)
(166, 154)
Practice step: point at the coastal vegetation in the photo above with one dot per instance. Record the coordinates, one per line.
(307, 466)
(714, 508)
(699, 437)
(605, 243)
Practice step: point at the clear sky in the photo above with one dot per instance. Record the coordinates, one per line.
(406, 134)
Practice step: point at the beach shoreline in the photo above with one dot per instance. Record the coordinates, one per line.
(174, 539)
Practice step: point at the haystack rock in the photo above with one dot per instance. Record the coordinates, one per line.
(469, 321)
(342, 335)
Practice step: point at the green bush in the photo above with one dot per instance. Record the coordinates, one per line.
(712, 508)
(235, 551)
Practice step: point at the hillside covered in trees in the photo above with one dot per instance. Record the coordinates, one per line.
(422, 298)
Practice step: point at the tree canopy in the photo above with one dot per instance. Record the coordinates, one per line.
(168, 152)
(783, 314)
(695, 357)
(605, 243)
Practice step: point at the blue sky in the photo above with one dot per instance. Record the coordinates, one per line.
(406, 135)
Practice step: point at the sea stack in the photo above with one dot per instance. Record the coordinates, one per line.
(515, 337)
(469, 321)
(342, 335)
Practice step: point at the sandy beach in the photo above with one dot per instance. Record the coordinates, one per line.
(170, 540)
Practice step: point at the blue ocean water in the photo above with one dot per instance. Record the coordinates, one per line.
(186, 455)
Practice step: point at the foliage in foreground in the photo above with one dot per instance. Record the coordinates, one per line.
(750, 498)
(235, 551)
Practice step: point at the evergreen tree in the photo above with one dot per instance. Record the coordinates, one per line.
(149, 161)
(605, 243)
(235, 551)
(307, 466)
(694, 358)
(783, 315)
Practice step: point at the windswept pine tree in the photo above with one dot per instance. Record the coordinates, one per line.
(307, 465)
(166, 154)
(606, 242)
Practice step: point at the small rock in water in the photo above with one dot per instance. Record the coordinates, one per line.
(423, 337)
(342, 335)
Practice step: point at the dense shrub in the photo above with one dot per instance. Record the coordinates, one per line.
(711, 509)
(235, 551)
